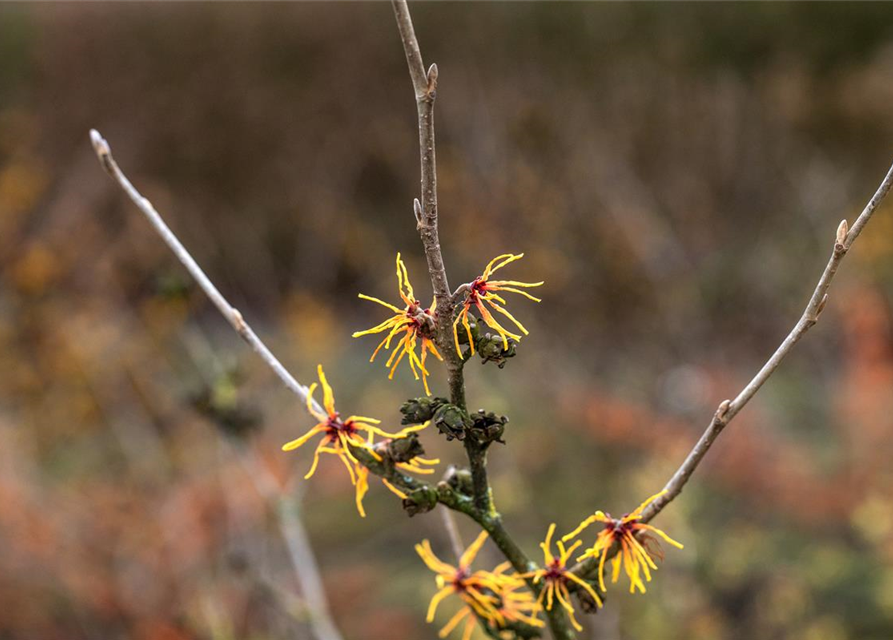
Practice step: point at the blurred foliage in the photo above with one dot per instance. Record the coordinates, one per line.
(674, 173)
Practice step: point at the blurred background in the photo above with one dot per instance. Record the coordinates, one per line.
(674, 173)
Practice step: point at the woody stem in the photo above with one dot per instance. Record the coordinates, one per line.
(425, 87)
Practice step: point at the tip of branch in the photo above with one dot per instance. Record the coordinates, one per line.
(842, 230)
(102, 149)
(99, 144)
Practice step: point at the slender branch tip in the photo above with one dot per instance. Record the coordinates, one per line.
(100, 145)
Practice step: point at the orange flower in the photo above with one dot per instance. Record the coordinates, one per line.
(638, 546)
(415, 323)
(483, 290)
(556, 577)
(340, 435)
(480, 591)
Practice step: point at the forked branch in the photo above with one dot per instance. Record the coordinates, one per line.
(728, 409)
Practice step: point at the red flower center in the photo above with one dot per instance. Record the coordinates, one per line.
(477, 286)
(617, 527)
(335, 426)
(554, 571)
(459, 579)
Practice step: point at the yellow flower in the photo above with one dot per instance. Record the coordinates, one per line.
(340, 435)
(517, 605)
(483, 290)
(638, 546)
(480, 591)
(555, 576)
(415, 323)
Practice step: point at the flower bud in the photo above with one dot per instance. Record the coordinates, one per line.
(587, 602)
(405, 449)
(459, 479)
(487, 427)
(492, 349)
(452, 421)
(419, 410)
(420, 501)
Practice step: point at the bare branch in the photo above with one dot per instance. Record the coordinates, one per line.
(425, 86)
(449, 522)
(728, 409)
(232, 315)
(300, 551)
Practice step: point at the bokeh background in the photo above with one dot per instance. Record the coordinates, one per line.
(674, 173)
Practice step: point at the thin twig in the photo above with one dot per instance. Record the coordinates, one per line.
(300, 551)
(425, 86)
(449, 523)
(407, 483)
(728, 409)
(232, 315)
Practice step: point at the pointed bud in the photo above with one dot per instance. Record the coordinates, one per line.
(842, 231)
(99, 143)
(432, 79)
(417, 211)
(821, 306)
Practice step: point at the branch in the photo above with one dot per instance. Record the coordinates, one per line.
(232, 315)
(425, 88)
(728, 409)
(291, 525)
(449, 523)
(483, 512)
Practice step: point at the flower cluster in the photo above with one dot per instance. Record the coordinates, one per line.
(482, 292)
(340, 435)
(414, 323)
(637, 545)
(491, 596)
(555, 577)
(497, 599)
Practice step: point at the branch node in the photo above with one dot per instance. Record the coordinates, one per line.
(821, 307)
(720, 416)
(238, 321)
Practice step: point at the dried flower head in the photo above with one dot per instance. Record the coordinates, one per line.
(555, 577)
(482, 292)
(638, 546)
(416, 325)
(340, 435)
